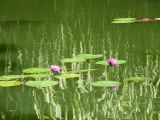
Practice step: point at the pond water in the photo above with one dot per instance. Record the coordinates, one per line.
(38, 33)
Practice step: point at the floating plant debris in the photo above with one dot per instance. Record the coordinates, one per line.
(105, 83)
(134, 20)
(36, 70)
(41, 84)
(125, 21)
(10, 83)
(157, 18)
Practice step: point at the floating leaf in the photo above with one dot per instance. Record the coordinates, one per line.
(66, 76)
(89, 56)
(11, 77)
(105, 62)
(37, 75)
(87, 70)
(36, 70)
(102, 62)
(157, 18)
(105, 83)
(121, 62)
(124, 19)
(9, 83)
(79, 71)
(73, 60)
(137, 79)
(41, 84)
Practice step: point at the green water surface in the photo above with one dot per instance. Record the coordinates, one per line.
(38, 33)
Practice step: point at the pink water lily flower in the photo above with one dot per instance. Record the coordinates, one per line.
(113, 62)
(55, 68)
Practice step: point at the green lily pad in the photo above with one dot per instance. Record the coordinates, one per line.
(102, 62)
(121, 62)
(67, 76)
(79, 71)
(89, 56)
(11, 77)
(137, 79)
(124, 19)
(73, 60)
(105, 83)
(41, 84)
(157, 18)
(36, 70)
(105, 62)
(37, 76)
(10, 83)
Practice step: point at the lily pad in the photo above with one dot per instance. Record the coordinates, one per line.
(124, 19)
(73, 60)
(89, 56)
(105, 83)
(36, 70)
(121, 62)
(37, 76)
(105, 62)
(11, 77)
(157, 18)
(137, 79)
(79, 71)
(41, 84)
(67, 76)
(102, 62)
(10, 83)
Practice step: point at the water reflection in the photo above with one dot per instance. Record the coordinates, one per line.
(38, 43)
(7, 57)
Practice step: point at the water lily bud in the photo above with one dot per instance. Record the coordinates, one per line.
(55, 68)
(112, 62)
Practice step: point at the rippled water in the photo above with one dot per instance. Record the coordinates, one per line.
(41, 33)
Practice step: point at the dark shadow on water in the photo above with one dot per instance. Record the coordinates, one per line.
(4, 47)
(8, 55)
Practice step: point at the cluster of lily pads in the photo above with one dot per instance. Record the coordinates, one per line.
(46, 77)
(54, 74)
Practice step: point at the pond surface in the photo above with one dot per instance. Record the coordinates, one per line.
(38, 33)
